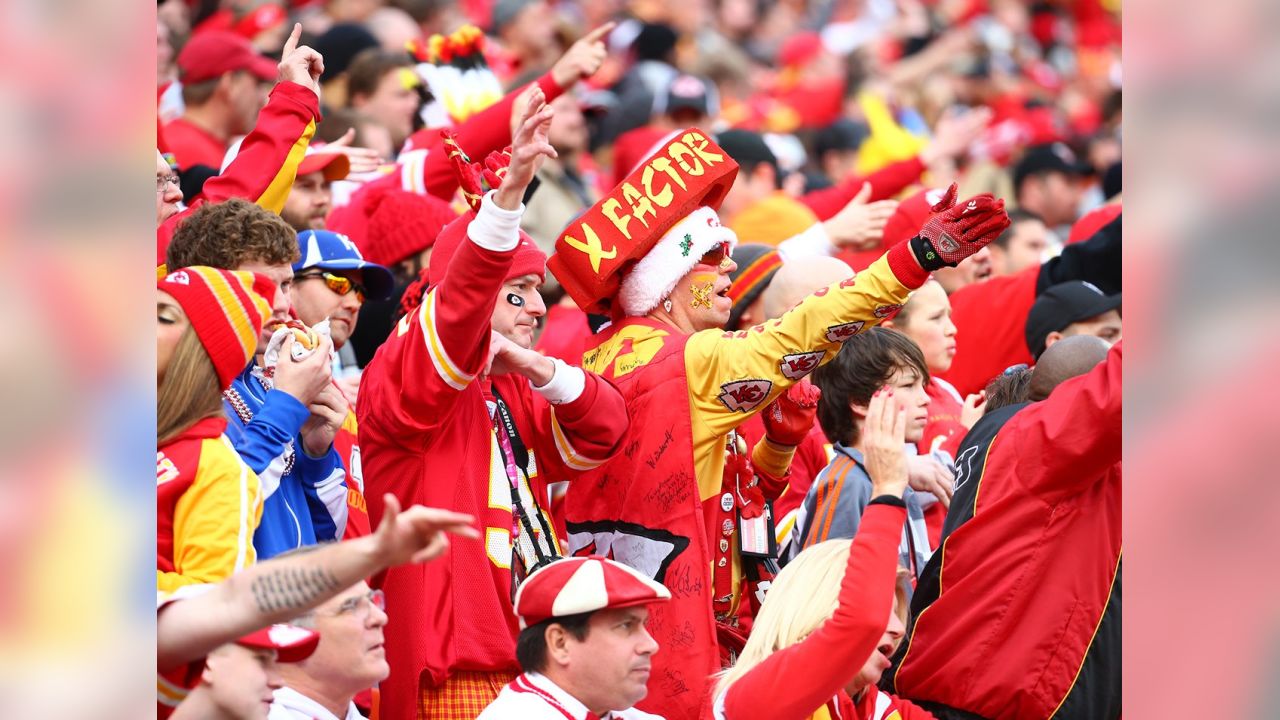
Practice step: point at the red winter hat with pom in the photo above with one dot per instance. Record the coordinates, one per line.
(402, 224)
(475, 181)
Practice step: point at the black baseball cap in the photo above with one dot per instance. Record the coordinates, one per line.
(1061, 305)
(747, 148)
(1049, 158)
(843, 134)
(689, 92)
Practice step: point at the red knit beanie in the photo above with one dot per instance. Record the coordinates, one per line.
(226, 310)
(402, 224)
(529, 259)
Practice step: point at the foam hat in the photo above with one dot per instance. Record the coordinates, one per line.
(625, 253)
(576, 585)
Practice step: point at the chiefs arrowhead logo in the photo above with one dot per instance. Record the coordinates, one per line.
(947, 244)
(885, 311)
(840, 333)
(797, 365)
(744, 395)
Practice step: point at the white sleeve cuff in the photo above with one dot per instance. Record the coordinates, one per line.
(494, 228)
(566, 383)
(813, 241)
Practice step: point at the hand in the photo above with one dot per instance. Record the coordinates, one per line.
(417, 534)
(328, 412)
(305, 378)
(363, 160)
(528, 147)
(926, 474)
(956, 129)
(506, 357)
(301, 65)
(975, 406)
(860, 225)
(789, 418)
(583, 58)
(955, 232)
(884, 433)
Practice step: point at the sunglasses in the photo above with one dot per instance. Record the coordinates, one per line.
(716, 255)
(337, 283)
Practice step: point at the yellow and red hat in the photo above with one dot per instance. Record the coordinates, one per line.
(625, 253)
(226, 310)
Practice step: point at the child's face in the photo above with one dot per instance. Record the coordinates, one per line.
(910, 397)
(929, 325)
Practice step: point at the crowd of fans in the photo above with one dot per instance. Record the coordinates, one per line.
(575, 359)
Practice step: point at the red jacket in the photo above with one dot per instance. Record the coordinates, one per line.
(426, 435)
(991, 320)
(264, 169)
(1017, 617)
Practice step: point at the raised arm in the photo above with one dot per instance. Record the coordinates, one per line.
(734, 374)
(1073, 436)
(283, 588)
(819, 666)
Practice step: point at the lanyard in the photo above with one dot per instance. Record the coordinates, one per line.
(515, 455)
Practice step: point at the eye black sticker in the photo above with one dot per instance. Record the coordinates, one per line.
(515, 299)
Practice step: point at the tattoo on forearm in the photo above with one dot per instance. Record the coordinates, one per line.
(291, 588)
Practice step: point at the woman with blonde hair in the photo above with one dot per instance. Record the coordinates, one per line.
(836, 613)
(208, 501)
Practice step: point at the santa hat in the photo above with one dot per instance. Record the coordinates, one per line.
(576, 585)
(626, 253)
(475, 180)
(226, 310)
(402, 223)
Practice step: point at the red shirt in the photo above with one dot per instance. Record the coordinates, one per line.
(942, 429)
(193, 145)
(990, 319)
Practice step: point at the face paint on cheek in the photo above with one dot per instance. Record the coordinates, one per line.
(515, 300)
(701, 295)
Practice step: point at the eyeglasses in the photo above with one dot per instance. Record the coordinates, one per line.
(337, 283)
(164, 181)
(362, 604)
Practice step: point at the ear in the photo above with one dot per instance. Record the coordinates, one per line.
(859, 411)
(1052, 338)
(887, 323)
(557, 639)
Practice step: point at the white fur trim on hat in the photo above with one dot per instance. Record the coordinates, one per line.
(657, 273)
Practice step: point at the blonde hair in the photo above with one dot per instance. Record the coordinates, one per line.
(802, 597)
(190, 391)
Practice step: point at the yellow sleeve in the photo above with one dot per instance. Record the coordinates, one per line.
(771, 458)
(732, 375)
(214, 520)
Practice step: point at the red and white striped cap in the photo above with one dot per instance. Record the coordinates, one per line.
(583, 584)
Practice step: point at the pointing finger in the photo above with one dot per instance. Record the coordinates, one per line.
(292, 43)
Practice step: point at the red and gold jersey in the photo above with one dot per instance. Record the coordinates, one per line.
(208, 504)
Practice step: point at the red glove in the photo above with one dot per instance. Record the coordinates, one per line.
(789, 418)
(955, 232)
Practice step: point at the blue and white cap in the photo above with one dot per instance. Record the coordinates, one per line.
(329, 250)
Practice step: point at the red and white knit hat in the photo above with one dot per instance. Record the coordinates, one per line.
(626, 252)
(575, 585)
(226, 310)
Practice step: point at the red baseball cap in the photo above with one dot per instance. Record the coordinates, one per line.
(212, 54)
(336, 166)
(575, 585)
(291, 643)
